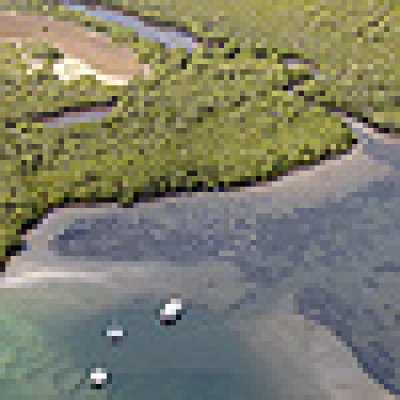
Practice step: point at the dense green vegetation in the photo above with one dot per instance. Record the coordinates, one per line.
(218, 116)
(352, 41)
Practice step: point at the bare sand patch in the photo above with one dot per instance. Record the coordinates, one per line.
(70, 68)
(94, 49)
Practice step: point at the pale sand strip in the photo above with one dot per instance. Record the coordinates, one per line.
(30, 278)
(92, 48)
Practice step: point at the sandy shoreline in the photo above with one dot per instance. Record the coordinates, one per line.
(310, 187)
(306, 187)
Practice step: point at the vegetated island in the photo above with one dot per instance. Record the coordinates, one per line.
(214, 119)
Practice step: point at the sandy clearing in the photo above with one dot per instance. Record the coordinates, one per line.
(70, 68)
(92, 48)
(73, 69)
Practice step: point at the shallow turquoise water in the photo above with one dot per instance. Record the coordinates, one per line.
(203, 356)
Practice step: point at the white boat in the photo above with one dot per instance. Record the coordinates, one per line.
(115, 333)
(171, 310)
(99, 377)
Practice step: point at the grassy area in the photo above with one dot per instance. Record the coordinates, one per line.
(214, 118)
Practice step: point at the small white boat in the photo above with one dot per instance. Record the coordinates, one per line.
(171, 310)
(99, 377)
(115, 333)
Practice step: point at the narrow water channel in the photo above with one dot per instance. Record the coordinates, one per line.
(170, 37)
(69, 118)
